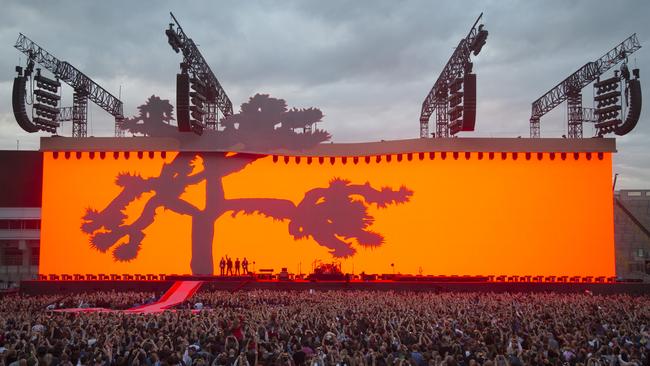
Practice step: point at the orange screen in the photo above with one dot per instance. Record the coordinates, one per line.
(180, 213)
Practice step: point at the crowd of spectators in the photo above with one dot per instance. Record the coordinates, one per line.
(261, 327)
(102, 299)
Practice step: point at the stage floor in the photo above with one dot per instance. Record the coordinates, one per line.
(243, 283)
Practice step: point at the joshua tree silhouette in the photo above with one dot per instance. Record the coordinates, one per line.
(263, 123)
(154, 119)
(325, 214)
(335, 216)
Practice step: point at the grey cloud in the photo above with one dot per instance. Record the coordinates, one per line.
(367, 64)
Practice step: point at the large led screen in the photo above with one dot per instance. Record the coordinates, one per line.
(422, 213)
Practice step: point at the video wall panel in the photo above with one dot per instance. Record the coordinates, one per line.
(421, 213)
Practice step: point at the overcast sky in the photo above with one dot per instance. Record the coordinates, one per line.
(367, 64)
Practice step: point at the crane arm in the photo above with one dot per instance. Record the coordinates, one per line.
(584, 76)
(454, 67)
(71, 76)
(194, 60)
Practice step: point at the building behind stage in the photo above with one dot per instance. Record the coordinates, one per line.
(20, 215)
(20, 212)
(632, 233)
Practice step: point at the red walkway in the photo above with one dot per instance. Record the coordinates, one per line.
(179, 292)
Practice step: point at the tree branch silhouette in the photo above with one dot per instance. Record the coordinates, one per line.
(335, 216)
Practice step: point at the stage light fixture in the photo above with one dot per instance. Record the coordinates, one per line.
(172, 38)
(198, 98)
(46, 111)
(479, 41)
(608, 106)
(455, 105)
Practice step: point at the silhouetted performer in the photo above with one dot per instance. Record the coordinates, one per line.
(237, 266)
(222, 266)
(244, 266)
(229, 264)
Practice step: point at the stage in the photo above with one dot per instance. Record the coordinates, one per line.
(447, 207)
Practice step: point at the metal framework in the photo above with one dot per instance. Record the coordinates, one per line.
(119, 131)
(442, 118)
(79, 113)
(65, 114)
(195, 63)
(84, 88)
(457, 65)
(569, 89)
(211, 117)
(589, 115)
(574, 114)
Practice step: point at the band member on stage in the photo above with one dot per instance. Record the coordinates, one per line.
(229, 266)
(222, 266)
(244, 266)
(237, 266)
